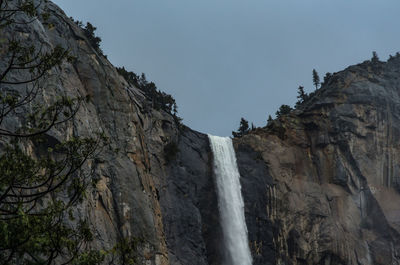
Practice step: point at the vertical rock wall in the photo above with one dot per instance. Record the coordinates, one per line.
(321, 185)
(324, 190)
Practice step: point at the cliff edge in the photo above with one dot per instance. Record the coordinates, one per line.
(321, 184)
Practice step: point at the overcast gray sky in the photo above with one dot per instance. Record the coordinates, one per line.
(226, 59)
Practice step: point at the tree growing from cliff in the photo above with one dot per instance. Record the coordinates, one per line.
(89, 31)
(302, 96)
(94, 40)
(243, 128)
(9, 11)
(269, 120)
(315, 78)
(375, 57)
(327, 77)
(159, 99)
(42, 178)
(283, 110)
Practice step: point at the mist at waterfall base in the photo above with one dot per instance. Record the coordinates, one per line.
(230, 202)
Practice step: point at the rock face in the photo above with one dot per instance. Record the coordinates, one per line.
(321, 185)
(132, 168)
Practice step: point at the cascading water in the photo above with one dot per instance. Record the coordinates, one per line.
(230, 202)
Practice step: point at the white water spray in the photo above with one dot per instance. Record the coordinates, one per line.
(230, 202)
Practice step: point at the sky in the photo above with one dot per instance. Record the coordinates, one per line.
(226, 59)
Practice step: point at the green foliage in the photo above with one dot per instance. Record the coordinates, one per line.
(327, 77)
(269, 120)
(125, 251)
(392, 57)
(90, 257)
(315, 78)
(37, 195)
(375, 57)
(243, 128)
(42, 179)
(302, 96)
(159, 99)
(9, 9)
(283, 110)
(130, 77)
(93, 39)
(29, 60)
(89, 31)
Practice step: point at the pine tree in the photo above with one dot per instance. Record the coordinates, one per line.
(375, 57)
(243, 128)
(283, 110)
(327, 77)
(269, 120)
(93, 39)
(302, 96)
(315, 78)
(159, 99)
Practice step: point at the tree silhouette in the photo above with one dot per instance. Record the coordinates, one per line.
(327, 77)
(243, 128)
(283, 110)
(159, 99)
(375, 57)
(315, 78)
(269, 120)
(302, 96)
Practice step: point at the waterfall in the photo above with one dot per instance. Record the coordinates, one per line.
(230, 202)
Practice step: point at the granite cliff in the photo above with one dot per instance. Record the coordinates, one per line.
(321, 184)
(327, 175)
